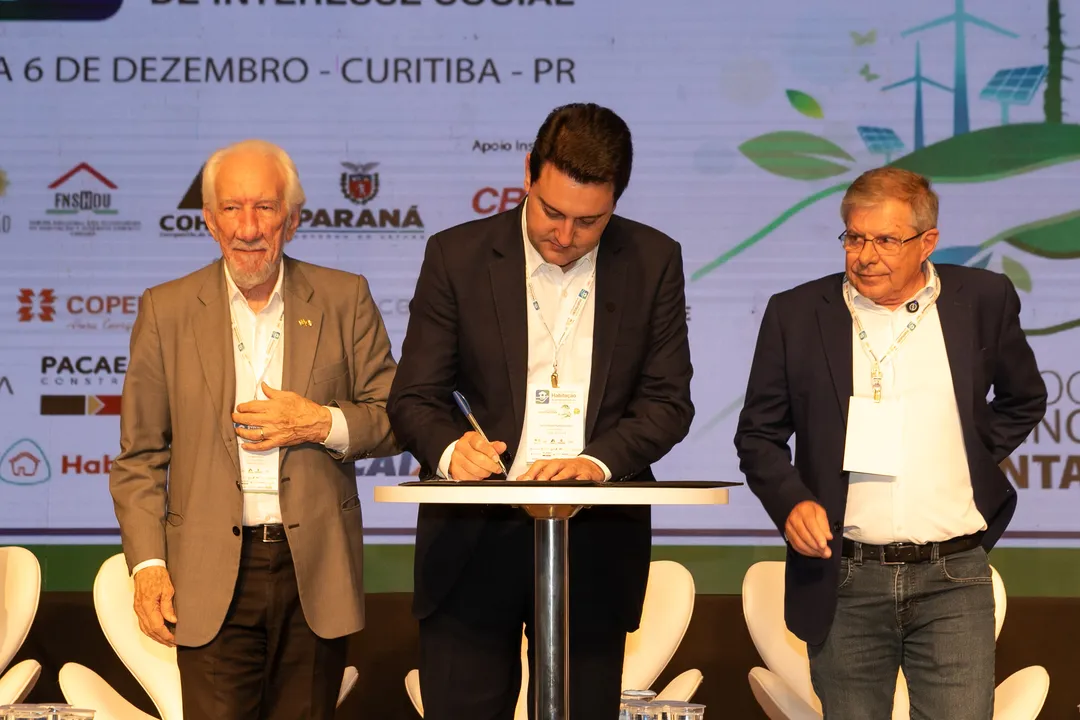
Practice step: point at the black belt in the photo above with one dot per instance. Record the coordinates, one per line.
(896, 553)
(272, 533)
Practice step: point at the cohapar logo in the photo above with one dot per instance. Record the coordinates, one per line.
(24, 463)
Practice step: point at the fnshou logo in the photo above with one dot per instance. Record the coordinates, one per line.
(24, 463)
(360, 186)
(36, 305)
(83, 371)
(188, 221)
(77, 311)
(71, 201)
(58, 10)
(358, 183)
(84, 203)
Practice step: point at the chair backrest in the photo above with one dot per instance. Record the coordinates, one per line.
(669, 604)
(152, 664)
(20, 591)
(763, 608)
(785, 654)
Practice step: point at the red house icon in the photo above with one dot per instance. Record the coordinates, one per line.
(25, 464)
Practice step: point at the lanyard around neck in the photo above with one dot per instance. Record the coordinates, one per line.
(275, 336)
(575, 311)
(875, 361)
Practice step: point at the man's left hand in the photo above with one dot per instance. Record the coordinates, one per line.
(283, 419)
(577, 468)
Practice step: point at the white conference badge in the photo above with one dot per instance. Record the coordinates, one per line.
(554, 422)
(872, 445)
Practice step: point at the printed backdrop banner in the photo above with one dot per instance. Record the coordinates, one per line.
(408, 116)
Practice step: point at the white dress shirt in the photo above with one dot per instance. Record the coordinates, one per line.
(255, 331)
(931, 500)
(555, 290)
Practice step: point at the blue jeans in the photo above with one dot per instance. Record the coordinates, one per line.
(935, 620)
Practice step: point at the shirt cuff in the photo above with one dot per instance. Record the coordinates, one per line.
(338, 439)
(444, 461)
(602, 466)
(156, 562)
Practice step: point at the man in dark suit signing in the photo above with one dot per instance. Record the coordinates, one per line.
(895, 496)
(253, 385)
(556, 303)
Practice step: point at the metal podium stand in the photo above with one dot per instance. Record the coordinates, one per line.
(551, 505)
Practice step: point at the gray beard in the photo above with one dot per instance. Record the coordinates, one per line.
(248, 280)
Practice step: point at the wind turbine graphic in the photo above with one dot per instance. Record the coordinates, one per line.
(918, 79)
(960, 18)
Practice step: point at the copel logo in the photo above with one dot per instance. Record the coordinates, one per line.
(37, 305)
(24, 463)
(82, 312)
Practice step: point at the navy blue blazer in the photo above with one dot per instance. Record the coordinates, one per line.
(800, 382)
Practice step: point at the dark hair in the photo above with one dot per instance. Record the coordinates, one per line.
(589, 143)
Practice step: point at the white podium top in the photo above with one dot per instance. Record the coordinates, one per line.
(509, 493)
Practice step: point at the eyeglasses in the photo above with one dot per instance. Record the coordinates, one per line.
(884, 244)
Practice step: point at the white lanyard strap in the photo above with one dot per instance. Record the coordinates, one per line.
(270, 347)
(875, 361)
(575, 311)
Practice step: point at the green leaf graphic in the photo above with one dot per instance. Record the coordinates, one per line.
(1016, 272)
(995, 153)
(792, 154)
(805, 104)
(1056, 237)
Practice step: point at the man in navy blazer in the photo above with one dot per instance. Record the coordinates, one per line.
(556, 294)
(895, 495)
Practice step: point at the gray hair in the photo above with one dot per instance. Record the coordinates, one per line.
(294, 192)
(890, 183)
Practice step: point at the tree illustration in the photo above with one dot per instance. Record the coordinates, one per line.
(1056, 60)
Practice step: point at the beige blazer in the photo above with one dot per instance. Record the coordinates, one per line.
(176, 482)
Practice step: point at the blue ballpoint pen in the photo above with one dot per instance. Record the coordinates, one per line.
(463, 405)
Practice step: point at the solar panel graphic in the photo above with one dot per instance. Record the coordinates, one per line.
(1013, 86)
(881, 141)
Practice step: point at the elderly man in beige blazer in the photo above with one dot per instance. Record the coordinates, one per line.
(253, 385)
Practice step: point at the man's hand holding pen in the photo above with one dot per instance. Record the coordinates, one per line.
(474, 458)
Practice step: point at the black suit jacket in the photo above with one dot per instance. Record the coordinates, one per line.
(800, 383)
(468, 330)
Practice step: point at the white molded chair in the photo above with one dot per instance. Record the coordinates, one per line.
(152, 664)
(784, 690)
(669, 605)
(20, 592)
